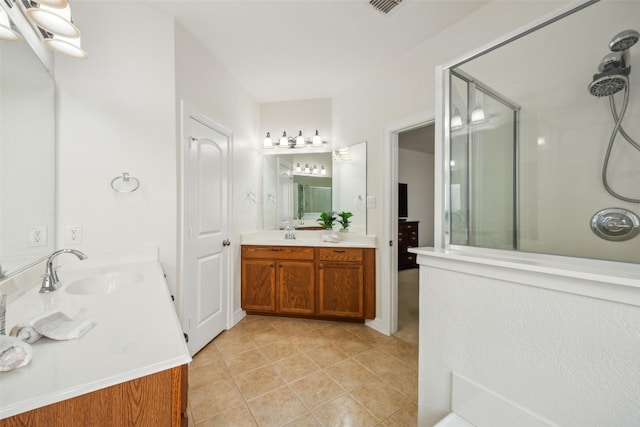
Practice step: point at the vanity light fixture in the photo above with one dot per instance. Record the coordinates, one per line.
(54, 20)
(298, 167)
(66, 45)
(268, 143)
(323, 171)
(306, 168)
(299, 140)
(317, 141)
(6, 32)
(284, 141)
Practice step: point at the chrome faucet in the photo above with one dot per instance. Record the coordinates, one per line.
(290, 233)
(50, 280)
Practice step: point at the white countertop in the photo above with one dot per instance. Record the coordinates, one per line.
(137, 334)
(311, 238)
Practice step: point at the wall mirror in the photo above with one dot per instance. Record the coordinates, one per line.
(299, 185)
(27, 158)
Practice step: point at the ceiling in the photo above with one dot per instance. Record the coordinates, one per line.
(420, 139)
(305, 49)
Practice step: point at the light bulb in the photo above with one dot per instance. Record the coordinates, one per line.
(323, 171)
(284, 142)
(317, 142)
(67, 45)
(59, 4)
(298, 168)
(315, 169)
(268, 143)
(306, 168)
(299, 140)
(54, 20)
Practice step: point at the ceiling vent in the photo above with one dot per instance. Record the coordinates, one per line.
(384, 5)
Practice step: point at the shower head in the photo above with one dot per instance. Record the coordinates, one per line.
(611, 77)
(624, 40)
(614, 60)
(606, 84)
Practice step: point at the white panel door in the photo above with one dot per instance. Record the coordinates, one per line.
(206, 213)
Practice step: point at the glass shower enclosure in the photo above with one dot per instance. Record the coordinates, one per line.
(483, 167)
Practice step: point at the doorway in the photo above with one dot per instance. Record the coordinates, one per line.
(388, 318)
(206, 263)
(415, 216)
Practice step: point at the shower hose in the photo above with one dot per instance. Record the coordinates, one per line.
(618, 128)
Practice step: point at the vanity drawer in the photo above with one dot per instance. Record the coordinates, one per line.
(278, 252)
(340, 254)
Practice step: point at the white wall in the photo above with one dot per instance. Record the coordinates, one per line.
(571, 359)
(119, 111)
(116, 113)
(416, 170)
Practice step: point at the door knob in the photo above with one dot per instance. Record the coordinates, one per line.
(226, 242)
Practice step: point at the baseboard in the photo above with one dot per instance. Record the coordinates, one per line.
(377, 325)
(238, 315)
(484, 408)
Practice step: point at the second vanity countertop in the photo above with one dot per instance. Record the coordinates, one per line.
(312, 238)
(137, 334)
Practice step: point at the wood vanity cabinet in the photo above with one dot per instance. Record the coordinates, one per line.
(157, 400)
(336, 283)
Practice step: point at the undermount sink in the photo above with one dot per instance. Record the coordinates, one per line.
(104, 284)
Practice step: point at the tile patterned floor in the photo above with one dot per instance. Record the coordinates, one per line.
(272, 371)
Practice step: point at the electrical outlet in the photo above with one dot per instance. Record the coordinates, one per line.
(73, 235)
(37, 236)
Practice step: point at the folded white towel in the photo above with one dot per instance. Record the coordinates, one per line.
(26, 333)
(59, 326)
(14, 353)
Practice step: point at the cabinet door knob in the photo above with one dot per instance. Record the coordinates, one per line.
(320, 266)
(226, 242)
(271, 265)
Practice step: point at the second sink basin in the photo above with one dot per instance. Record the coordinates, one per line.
(104, 284)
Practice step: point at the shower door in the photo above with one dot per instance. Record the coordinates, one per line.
(483, 172)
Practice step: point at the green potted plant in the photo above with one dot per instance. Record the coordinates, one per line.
(327, 219)
(344, 220)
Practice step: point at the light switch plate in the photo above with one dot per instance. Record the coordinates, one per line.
(371, 202)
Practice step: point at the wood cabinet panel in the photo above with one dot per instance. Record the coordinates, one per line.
(278, 252)
(296, 287)
(158, 399)
(259, 285)
(341, 289)
(340, 254)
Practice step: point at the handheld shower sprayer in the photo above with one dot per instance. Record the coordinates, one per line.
(612, 77)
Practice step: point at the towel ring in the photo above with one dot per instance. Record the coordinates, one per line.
(126, 178)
